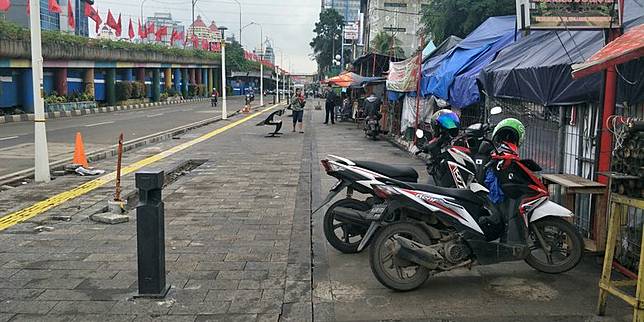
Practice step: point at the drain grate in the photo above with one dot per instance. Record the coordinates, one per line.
(182, 169)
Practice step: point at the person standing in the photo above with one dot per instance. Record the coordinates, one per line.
(329, 105)
(297, 105)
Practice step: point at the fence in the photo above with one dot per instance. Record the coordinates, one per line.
(561, 140)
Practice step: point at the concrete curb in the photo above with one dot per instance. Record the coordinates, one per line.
(104, 109)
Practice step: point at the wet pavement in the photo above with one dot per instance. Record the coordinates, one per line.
(241, 245)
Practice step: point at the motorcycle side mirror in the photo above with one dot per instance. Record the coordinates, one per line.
(496, 110)
(420, 133)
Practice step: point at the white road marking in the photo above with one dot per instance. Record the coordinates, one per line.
(154, 115)
(97, 124)
(8, 138)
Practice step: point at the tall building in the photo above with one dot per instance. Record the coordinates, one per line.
(349, 9)
(48, 20)
(400, 18)
(162, 19)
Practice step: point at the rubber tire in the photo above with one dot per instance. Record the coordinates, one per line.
(577, 246)
(376, 264)
(329, 233)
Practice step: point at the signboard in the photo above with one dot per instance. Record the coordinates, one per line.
(569, 14)
(352, 31)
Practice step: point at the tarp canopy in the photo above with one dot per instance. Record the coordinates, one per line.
(373, 64)
(473, 52)
(349, 79)
(537, 68)
(443, 47)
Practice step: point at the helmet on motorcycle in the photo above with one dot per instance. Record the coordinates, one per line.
(509, 130)
(445, 121)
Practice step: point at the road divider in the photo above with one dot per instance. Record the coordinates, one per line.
(49, 203)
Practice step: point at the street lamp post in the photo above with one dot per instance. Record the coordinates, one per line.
(41, 155)
(194, 3)
(240, 20)
(224, 113)
(261, 63)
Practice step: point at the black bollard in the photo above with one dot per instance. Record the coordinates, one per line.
(150, 235)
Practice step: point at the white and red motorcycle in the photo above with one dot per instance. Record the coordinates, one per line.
(424, 229)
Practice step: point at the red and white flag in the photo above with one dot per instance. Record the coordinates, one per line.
(119, 27)
(143, 34)
(161, 32)
(130, 30)
(93, 14)
(111, 22)
(4, 5)
(150, 28)
(54, 6)
(70, 15)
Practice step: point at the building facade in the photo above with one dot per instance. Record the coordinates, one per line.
(162, 19)
(349, 9)
(400, 18)
(48, 20)
(202, 31)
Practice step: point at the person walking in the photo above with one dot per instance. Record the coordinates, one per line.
(297, 105)
(329, 105)
(213, 99)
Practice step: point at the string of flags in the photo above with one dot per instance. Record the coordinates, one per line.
(143, 31)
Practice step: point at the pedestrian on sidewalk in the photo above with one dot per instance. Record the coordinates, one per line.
(329, 105)
(213, 99)
(297, 105)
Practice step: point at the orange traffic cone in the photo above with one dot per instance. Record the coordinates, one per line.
(79, 152)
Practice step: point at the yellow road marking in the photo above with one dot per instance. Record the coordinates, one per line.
(42, 206)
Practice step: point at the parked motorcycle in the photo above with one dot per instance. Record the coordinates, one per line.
(428, 229)
(449, 166)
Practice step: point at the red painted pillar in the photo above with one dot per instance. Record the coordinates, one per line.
(197, 76)
(60, 81)
(610, 93)
(192, 76)
(140, 74)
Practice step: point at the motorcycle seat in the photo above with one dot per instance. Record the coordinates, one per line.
(407, 174)
(462, 194)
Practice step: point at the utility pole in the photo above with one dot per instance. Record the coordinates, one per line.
(224, 113)
(41, 155)
(194, 2)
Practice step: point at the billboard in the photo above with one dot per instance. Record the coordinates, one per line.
(569, 14)
(352, 31)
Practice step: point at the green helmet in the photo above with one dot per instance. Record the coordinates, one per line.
(509, 130)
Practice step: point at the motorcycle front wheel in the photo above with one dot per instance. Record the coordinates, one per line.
(563, 249)
(345, 237)
(392, 272)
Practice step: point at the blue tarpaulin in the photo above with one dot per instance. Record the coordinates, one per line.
(537, 68)
(470, 55)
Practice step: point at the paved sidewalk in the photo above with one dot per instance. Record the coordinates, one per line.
(241, 246)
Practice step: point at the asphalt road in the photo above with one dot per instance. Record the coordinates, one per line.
(99, 130)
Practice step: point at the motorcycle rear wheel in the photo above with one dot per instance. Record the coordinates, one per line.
(564, 242)
(382, 260)
(345, 244)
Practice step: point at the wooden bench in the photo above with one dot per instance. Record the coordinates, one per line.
(574, 185)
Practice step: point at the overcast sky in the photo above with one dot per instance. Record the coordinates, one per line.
(288, 23)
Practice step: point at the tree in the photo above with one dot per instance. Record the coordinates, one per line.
(327, 40)
(443, 18)
(386, 44)
(235, 58)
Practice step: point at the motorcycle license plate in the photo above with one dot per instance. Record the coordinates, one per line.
(372, 122)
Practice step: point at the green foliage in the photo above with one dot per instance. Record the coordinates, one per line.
(386, 44)
(164, 97)
(192, 90)
(235, 58)
(54, 98)
(172, 92)
(123, 90)
(138, 90)
(79, 97)
(202, 90)
(443, 18)
(327, 40)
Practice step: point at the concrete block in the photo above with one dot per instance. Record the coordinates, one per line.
(110, 218)
(15, 118)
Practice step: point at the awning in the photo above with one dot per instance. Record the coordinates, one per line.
(627, 47)
(349, 79)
